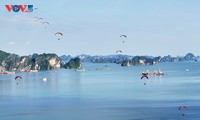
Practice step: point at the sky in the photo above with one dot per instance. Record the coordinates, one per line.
(93, 27)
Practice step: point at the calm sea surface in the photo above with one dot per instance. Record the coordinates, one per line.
(103, 92)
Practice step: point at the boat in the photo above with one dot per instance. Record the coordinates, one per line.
(155, 73)
(44, 79)
(29, 71)
(158, 73)
(79, 70)
(6, 72)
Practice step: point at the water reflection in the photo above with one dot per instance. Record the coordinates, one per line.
(75, 82)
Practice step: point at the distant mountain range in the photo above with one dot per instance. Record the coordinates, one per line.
(13, 62)
(127, 60)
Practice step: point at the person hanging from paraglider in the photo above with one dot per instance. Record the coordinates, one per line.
(45, 23)
(59, 33)
(16, 78)
(144, 75)
(124, 37)
(182, 108)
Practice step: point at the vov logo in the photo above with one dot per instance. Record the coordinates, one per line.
(18, 8)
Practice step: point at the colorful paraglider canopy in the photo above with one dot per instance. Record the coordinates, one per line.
(18, 77)
(123, 36)
(144, 76)
(118, 51)
(182, 107)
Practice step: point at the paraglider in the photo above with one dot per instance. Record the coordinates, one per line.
(40, 19)
(145, 77)
(45, 23)
(35, 18)
(118, 51)
(18, 77)
(182, 108)
(59, 33)
(124, 37)
(35, 10)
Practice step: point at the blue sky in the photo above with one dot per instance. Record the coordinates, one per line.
(153, 27)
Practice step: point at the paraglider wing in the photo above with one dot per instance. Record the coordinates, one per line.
(35, 18)
(185, 107)
(145, 77)
(59, 33)
(123, 36)
(40, 19)
(182, 108)
(118, 51)
(18, 77)
(45, 23)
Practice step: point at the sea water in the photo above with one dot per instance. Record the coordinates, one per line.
(103, 91)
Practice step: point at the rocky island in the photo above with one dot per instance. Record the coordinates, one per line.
(50, 61)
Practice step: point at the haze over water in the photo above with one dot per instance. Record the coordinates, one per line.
(103, 92)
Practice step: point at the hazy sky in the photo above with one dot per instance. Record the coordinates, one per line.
(153, 27)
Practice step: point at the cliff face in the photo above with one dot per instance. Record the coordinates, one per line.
(24, 63)
(73, 64)
(126, 63)
(142, 60)
(10, 62)
(44, 61)
(3, 57)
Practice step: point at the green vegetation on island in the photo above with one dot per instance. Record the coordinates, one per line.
(73, 64)
(50, 61)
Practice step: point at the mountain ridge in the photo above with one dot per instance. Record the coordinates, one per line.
(50, 61)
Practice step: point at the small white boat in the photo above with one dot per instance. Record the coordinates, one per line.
(44, 79)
